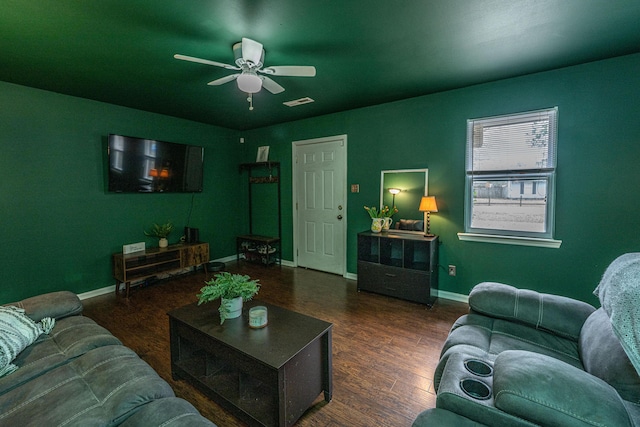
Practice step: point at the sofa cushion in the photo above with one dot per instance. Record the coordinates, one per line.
(494, 336)
(17, 332)
(103, 387)
(70, 338)
(549, 392)
(603, 356)
(557, 314)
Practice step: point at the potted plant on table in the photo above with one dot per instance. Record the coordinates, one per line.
(232, 290)
(161, 231)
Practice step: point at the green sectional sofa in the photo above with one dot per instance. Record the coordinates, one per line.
(523, 358)
(79, 374)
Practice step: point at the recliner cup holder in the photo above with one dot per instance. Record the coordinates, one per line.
(478, 367)
(476, 389)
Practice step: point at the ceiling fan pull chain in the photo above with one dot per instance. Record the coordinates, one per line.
(250, 100)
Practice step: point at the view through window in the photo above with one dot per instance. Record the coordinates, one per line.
(511, 166)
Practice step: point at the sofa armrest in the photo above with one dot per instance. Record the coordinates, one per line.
(554, 313)
(547, 391)
(55, 304)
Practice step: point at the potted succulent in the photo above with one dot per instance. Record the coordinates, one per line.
(232, 290)
(161, 231)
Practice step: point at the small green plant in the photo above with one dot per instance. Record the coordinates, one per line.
(161, 231)
(228, 286)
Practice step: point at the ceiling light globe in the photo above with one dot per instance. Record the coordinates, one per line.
(249, 82)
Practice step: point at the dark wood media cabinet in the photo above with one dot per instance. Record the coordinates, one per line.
(153, 261)
(401, 265)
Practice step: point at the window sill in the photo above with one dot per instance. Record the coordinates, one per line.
(510, 240)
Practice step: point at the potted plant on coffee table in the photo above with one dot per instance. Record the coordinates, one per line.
(232, 290)
(161, 231)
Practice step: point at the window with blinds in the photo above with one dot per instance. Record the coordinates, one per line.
(510, 168)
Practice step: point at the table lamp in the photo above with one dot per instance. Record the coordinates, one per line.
(428, 205)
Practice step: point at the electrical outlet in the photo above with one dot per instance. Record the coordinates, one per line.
(452, 270)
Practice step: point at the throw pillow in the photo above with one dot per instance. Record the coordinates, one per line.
(17, 332)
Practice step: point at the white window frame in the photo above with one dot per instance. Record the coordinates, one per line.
(545, 173)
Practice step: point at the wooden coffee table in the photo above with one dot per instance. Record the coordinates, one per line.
(267, 376)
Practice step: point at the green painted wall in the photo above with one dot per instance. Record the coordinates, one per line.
(597, 183)
(59, 226)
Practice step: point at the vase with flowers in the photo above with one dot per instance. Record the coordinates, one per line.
(388, 213)
(380, 218)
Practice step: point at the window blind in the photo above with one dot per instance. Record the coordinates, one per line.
(515, 143)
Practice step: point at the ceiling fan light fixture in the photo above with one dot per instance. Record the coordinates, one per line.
(249, 82)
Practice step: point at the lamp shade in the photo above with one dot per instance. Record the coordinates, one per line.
(394, 191)
(249, 82)
(428, 204)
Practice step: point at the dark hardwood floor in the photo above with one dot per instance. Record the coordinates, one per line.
(384, 349)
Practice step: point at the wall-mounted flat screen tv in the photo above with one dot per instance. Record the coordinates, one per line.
(138, 165)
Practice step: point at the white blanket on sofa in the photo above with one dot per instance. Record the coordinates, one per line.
(619, 294)
(17, 332)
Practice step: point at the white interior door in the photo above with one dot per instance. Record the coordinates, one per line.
(320, 203)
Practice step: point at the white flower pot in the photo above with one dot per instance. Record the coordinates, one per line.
(376, 224)
(234, 305)
(163, 243)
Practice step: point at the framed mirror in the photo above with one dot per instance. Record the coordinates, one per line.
(412, 185)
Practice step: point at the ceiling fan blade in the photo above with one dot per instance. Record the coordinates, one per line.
(205, 61)
(223, 80)
(291, 70)
(251, 50)
(271, 86)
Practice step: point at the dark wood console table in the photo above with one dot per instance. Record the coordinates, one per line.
(401, 265)
(153, 261)
(266, 377)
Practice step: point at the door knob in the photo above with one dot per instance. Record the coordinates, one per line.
(339, 217)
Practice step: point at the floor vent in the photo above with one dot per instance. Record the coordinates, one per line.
(296, 102)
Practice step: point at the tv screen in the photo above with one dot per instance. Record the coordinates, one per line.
(139, 165)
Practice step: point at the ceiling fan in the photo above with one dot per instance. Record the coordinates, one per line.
(249, 60)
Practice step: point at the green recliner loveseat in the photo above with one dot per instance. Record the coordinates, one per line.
(524, 358)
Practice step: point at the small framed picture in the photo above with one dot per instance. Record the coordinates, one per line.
(263, 154)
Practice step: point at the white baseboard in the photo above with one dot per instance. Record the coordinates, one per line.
(440, 294)
(351, 276)
(97, 292)
(453, 296)
(111, 288)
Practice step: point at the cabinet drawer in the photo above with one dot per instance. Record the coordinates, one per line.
(411, 285)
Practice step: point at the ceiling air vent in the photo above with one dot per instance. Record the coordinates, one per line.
(296, 102)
